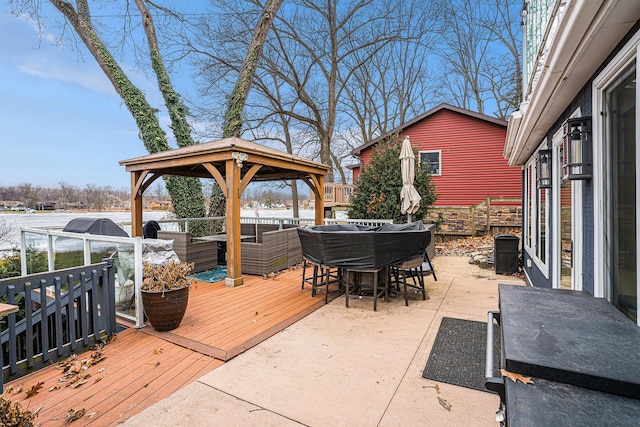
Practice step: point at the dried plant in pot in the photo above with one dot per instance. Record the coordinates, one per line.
(165, 293)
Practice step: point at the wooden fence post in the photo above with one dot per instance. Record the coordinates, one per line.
(488, 214)
(472, 214)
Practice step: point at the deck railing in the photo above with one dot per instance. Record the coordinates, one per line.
(336, 194)
(61, 312)
(370, 222)
(128, 270)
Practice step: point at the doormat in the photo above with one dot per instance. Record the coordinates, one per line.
(459, 352)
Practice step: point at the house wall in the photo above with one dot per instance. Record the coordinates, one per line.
(534, 275)
(587, 259)
(471, 158)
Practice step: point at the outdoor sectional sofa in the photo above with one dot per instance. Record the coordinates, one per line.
(274, 251)
(203, 254)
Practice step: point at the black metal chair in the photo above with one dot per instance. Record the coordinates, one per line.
(410, 269)
(427, 267)
(323, 276)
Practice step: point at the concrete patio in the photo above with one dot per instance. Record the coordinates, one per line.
(342, 366)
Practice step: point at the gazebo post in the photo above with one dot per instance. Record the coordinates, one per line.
(234, 265)
(136, 204)
(319, 201)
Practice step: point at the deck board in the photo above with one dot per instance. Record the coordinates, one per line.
(143, 366)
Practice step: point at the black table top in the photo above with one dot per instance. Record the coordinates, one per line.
(551, 403)
(570, 337)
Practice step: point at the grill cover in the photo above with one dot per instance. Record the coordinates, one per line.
(99, 226)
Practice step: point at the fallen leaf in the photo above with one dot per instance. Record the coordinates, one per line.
(516, 377)
(77, 381)
(34, 389)
(158, 350)
(446, 405)
(73, 415)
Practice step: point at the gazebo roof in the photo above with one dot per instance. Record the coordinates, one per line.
(189, 161)
(233, 163)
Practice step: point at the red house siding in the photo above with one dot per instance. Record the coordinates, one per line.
(472, 165)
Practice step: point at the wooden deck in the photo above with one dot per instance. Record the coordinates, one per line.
(142, 366)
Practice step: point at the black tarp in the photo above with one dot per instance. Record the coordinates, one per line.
(99, 226)
(357, 247)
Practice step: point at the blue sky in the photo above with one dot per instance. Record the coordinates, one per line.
(60, 118)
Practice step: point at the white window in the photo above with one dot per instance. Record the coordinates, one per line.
(432, 160)
(536, 232)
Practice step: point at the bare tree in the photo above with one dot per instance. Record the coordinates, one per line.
(506, 77)
(394, 85)
(479, 55)
(186, 193)
(238, 98)
(6, 232)
(327, 70)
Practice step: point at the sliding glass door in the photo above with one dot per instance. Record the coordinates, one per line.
(620, 192)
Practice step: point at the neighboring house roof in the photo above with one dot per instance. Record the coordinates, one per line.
(358, 150)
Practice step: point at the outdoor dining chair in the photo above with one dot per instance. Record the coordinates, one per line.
(415, 268)
(323, 276)
(410, 269)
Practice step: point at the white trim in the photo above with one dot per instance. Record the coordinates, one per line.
(623, 59)
(576, 235)
(527, 279)
(556, 214)
(439, 160)
(531, 186)
(529, 208)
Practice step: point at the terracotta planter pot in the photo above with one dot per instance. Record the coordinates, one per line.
(165, 310)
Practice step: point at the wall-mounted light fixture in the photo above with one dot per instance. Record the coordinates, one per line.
(577, 151)
(240, 157)
(543, 169)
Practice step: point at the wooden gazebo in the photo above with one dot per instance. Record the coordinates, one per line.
(233, 163)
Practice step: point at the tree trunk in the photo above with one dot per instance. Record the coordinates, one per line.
(294, 198)
(238, 98)
(186, 193)
(151, 133)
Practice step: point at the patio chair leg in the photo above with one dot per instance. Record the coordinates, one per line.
(421, 281)
(326, 293)
(375, 291)
(347, 288)
(304, 270)
(314, 284)
(404, 280)
(430, 266)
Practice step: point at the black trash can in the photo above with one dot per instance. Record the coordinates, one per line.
(505, 252)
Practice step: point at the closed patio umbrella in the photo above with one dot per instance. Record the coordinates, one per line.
(409, 197)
